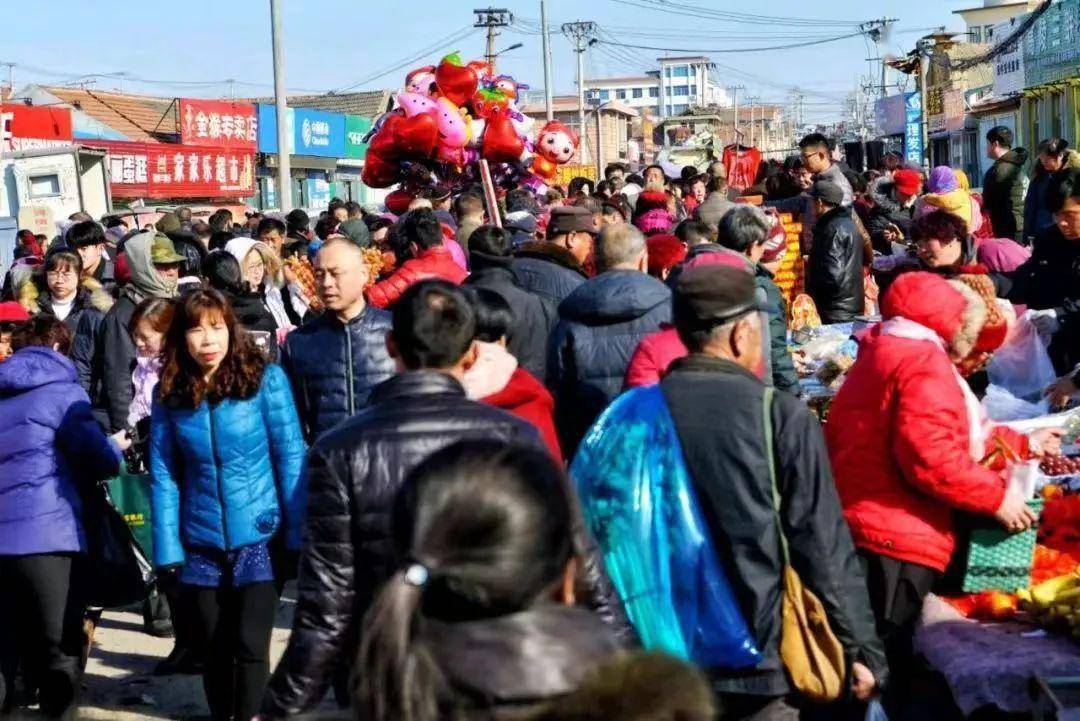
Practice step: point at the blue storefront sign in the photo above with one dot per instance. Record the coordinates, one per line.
(312, 132)
(913, 137)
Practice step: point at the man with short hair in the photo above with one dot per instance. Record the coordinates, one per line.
(421, 232)
(746, 231)
(834, 272)
(615, 173)
(334, 361)
(1005, 184)
(759, 469)
(599, 326)
(271, 232)
(88, 240)
(553, 268)
(611, 213)
(716, 203)
(337, 211)
(183, 214)
(355, 471)
(817, 157)
(469, 214)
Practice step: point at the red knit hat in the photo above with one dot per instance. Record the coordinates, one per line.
(907, 181)
(665, 252)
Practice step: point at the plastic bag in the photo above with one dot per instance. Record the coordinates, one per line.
(875, 712)
(1001, 405)
(1022, 365)
(641, 507)
(119, 574)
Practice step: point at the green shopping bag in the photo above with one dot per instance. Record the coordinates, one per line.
(130, 493)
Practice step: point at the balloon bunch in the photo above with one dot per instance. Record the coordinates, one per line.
(450, 115)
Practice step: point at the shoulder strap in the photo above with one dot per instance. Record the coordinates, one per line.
(770, 457)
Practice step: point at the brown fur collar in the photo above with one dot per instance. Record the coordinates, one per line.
(974, 318)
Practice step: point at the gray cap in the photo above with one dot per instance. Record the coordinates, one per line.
(828, 191)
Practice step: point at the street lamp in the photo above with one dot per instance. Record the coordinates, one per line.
(515, 46)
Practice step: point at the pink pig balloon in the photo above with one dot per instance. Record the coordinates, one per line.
(415, 104)
(453, 124)
(421, 81)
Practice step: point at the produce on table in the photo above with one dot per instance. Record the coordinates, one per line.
(1060, 465)
(1054, 604)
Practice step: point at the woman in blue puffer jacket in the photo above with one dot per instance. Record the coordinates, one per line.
(227, 458)
(49, 446)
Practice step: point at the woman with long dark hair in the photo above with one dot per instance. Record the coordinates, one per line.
(226, 455)
(480, 617)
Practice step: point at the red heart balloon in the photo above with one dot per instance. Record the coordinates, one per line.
(397, 202)
(501, 142)
(379, 172)
(383, 142)
(416, 136)
(455, 81)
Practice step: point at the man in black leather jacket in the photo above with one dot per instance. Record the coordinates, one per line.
(834, 275)
(334, 361)
(354, 472)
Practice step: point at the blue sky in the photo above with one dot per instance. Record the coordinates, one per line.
(336, 43)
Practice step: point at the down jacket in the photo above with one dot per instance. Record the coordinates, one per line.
(900, 443)
(1004, 187)
(548, 270)
(1037, 215)
(225, 475)
(600, 325)
(354, 474)
(323, 355)
(533, 316)
(92, 302)
(432, 263)
(834, 273)
(49, 444)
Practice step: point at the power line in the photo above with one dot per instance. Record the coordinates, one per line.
(457, 35)
(675, 8)
(737, 50)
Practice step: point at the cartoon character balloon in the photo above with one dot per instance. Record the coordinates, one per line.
(455, 81)
(501, 141)
(421, 81)
(454, 125)
(555, 145)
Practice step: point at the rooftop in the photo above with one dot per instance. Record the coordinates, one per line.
(683, 59)
(1021, 3)
(626, 79)
(569, 103)
(139, 117)
(368, 103)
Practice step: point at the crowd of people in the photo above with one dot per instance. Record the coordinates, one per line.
(384, 408)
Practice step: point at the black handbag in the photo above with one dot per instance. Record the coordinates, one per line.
(118, 572)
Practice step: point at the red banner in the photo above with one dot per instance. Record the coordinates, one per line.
(25, 127)
(167, 170)
(219, 123)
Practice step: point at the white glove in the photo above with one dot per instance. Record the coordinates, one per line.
(1046, 322)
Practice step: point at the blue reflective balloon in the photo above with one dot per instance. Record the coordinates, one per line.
(641, 507)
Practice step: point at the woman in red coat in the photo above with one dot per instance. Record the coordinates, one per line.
(906, 437)
(496, 378)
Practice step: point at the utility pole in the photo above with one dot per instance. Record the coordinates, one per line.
(753, 102)
(579, 34)
(492, 18)
(599, 143)
(11, 76)
(548, 103)
(735, 104)
(284, 171)
(232, 87)
(924, 69)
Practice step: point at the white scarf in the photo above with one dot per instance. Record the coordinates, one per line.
(978, 423)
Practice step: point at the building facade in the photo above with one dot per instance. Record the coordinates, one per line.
(1051, 99)
(680, 83)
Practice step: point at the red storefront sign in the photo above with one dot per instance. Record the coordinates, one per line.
(25, 127)
(219, 123)
(169, 170)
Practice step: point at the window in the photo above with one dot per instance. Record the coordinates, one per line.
(654, 92)
(678, 109)
(44, 186)
(682, 89)
(620, 94)
(681, 71)
(975, 34)
(988, 32)
(605, 95)
(668, 91)
(638, 92)
(667, 72)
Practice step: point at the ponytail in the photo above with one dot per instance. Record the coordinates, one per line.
(400, 680)
(490, 528)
